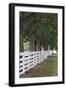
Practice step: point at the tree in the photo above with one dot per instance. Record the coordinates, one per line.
(40, 29)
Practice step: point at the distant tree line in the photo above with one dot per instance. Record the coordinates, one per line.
(40, 29)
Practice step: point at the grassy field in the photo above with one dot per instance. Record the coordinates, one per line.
(46, 68)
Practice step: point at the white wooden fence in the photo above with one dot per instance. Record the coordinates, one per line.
(30, 59)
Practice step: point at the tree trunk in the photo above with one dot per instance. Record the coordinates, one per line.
(45, 44)
(21, 43)
(35, 45)
(32, 43)
(38, 46)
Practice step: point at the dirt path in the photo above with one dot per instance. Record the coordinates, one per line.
(46, 68)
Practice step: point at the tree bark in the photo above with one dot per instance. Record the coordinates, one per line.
(32, 43)
(38, 45)
(45, 44)
(21, 43)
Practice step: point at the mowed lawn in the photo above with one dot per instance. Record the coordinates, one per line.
(48, 67)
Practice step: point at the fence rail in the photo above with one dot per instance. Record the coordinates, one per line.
(30, 59)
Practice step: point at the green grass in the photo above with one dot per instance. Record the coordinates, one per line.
(46, 68)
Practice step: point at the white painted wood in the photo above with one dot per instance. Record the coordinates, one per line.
(28, 59)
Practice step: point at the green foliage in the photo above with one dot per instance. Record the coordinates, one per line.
(42, 25)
